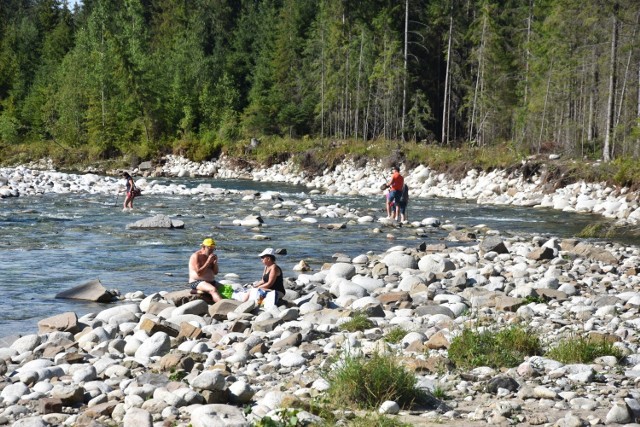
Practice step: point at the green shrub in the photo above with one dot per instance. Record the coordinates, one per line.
(358, 322)
(497, 349)
(395, 335)
(376, 420)
(582, 350)
(368, 382)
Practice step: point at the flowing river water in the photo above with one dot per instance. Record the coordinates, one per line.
(53, 242)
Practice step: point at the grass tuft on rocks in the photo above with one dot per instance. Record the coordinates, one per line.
(597, 230)
(358, 322)
(376, 420)
(395, 335)
(367, 382)
(582, 350)
(497, 349)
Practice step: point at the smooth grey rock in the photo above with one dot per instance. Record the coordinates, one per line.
(369, 305)
(90, 291)
(292, 359)
(493, 244)
(218, 415)
(240, 393)
(13, 392)
(156, 345)
(198, 307)
(36, 421)
(158, 221)
(389, 407)
(120, 311)
(209, 380)
(137, 417)
(400, 260)
(618, 414)
(26, 343)
(435, 264)
(341, 270)
(66, 322)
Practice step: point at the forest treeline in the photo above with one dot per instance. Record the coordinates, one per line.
(143, 76)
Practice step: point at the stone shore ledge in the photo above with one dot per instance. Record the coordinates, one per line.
(496, 187)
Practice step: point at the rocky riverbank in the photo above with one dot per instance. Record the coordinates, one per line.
(166, 359)
(169, 359)
(519, 187)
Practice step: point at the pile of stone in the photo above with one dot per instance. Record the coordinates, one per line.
(170, 359)
(495, 187)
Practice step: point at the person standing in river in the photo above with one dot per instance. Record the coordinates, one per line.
(404, 201)
(130, 187)
(395, 185)
(203, 267)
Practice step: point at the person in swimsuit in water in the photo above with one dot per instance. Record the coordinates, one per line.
(130, 185)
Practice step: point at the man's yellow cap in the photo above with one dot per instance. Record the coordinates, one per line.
(208, 242)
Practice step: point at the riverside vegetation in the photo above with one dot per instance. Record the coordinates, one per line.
(110, 79)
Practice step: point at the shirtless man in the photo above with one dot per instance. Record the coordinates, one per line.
(203, 267)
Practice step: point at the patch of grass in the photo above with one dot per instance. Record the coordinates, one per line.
(368, 382)
(439, 393)
(358, 322)
(177, 375)
(376, 420)
(284, 418)
(596, 230)
(497, 349)
(533, 298)
(627, 173)
(582, 350)
(395, 335)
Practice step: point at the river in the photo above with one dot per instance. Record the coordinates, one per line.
(53, 242)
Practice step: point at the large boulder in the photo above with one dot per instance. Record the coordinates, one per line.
(90, 291)
(493, 244)
(65, 322)
(158, 221)
(400, 260)
(435, 264)
(340, 270)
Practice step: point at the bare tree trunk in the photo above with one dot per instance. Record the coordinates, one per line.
(544, 108)
(591, 129)
(624, 84)
(527, 53)
(345, 96)
(322, 85)
(355, 126)
(637, 148)
(404, 75)
(102, 95)
(447, 84)
(478, 82)
(606, 150)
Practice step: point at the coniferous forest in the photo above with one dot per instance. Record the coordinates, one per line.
(117, 76)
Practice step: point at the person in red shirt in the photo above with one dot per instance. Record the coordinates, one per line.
(396, 184)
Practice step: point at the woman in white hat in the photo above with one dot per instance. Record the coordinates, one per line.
(272, 279)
